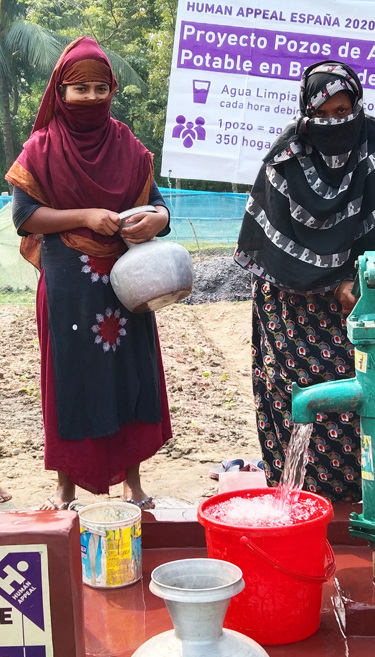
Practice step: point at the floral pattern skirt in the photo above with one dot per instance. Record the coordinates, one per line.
(303, 339)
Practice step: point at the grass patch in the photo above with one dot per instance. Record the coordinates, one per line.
(10, 295)
(209, 249)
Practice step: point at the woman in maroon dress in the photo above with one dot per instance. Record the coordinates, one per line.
(104, 399)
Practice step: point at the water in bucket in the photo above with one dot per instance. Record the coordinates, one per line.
(277, 536)
(284, 507)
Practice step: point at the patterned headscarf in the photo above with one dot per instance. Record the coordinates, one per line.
(312, 207)
(321, 82)
(330, 136)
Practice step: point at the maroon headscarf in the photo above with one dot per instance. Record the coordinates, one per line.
(78, 156)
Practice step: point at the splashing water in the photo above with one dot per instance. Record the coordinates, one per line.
(294, 471)
(284, 507)
(262, 511)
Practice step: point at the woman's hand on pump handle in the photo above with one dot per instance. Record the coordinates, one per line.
(343, 294)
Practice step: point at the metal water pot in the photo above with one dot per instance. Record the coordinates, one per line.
(197, 593)
(152, 274)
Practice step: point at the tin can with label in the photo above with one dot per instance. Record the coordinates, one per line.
(110, 544)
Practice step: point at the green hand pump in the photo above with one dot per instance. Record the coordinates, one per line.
(357, 393)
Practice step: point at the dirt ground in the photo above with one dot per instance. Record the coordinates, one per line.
(206, 353)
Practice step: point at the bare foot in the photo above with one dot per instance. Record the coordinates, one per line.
(133, 490)
(4, 495)
(64, 494)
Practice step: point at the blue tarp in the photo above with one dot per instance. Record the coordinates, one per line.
(214, 216)
(197, 218)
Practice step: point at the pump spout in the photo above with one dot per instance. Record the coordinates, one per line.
(330, 396)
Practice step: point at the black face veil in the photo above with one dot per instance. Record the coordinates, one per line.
(312, 207)
(319, 83)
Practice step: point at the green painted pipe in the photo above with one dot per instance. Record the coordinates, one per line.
(355, 394)
(337, 396)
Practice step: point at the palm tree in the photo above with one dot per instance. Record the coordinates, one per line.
(22, 45)
(27, 46)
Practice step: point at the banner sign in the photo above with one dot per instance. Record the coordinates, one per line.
(25, 617)
(235, 77)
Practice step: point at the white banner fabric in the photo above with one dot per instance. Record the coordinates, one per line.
(235, 77)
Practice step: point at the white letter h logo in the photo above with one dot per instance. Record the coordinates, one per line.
(12, 576)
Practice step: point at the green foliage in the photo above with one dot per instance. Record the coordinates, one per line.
(32, 36)
(26, 49)
(31, 93)
(141, 34)
(136, 35)
(35, 46)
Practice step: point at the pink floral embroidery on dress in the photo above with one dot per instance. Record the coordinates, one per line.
(99, 268)
(109, 329)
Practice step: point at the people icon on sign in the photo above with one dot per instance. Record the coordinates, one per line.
(180, 121)
(189, 132)
(199, 129)
(188, 135)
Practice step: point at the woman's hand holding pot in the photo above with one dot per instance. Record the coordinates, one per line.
(102, 221)
(144, 226)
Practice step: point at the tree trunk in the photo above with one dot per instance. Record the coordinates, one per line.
(6, 124)
(234, 188)
(178, 183)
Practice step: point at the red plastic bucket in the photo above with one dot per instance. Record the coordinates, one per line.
(283, 567)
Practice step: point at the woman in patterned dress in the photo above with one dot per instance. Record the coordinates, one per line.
(104, 400)
(310, 214)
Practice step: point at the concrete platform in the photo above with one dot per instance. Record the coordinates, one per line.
(117, 622)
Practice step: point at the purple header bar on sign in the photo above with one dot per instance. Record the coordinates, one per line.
(266, 53)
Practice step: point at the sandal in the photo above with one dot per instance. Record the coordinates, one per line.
(60, 507)
(140, 504)
(235, 465)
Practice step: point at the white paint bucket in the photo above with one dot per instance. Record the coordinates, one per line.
(110, 544)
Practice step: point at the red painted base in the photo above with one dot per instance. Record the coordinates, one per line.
(118, 622)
